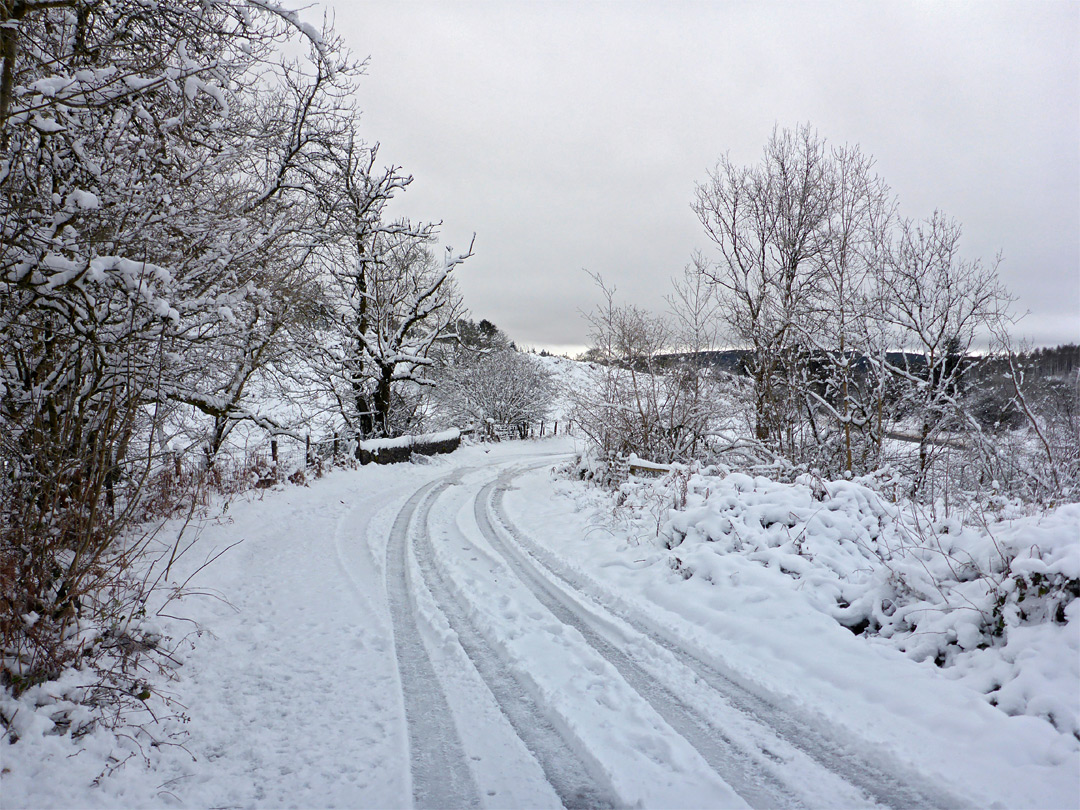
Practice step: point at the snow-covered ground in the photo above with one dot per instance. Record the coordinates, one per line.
(572, 377)
(479, 631)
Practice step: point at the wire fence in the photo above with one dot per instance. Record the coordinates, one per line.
(524, 430)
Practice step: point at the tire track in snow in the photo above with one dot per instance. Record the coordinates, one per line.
(562, 593)
(732, 763)
(440, 770)
(568, 773)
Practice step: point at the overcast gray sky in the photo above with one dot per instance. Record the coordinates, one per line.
(570, 135)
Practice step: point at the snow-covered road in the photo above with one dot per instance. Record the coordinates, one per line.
(614, 711)
(771, 756)
(466, 634)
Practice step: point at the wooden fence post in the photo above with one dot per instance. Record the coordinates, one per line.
(307, 450)
(273, 449)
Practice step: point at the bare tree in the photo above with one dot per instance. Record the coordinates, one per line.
(621, 413)
(766, 222)
(270, 228)
(693, 404)
(839, 384)
(652, 394)
(853, 321)
(393, 299)
(938, 304)
(414, 304)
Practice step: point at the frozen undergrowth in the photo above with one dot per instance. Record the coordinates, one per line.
(115, 696)
(989, 598)
(116, 702)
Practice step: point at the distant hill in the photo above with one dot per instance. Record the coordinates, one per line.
(733, 360)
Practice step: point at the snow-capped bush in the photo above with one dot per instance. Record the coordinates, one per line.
(991, 599)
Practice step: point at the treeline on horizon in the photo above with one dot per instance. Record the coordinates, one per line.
(1047, 361)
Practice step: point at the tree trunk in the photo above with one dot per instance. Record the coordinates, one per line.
(9, 50)
(381, 402)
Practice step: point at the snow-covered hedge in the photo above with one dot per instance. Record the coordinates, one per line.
(990, 599)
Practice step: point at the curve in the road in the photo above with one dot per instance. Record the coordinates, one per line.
(561, 593)
(439, 766)
(574, 779)
(735, 765)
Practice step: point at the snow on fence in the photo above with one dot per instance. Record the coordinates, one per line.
(646, 469)
(622, 467)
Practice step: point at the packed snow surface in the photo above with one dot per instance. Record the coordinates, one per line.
(478, 630)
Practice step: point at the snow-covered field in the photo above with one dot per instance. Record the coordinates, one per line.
(572, 376)
(479, 631)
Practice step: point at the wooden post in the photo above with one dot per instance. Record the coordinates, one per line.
(273, 449)
(335, 444)
(307, 450)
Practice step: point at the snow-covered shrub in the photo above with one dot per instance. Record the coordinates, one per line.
(991, 599)
(1049, 452)
(500, 387)
(648, 395)
(105, 661)
(589, 466)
